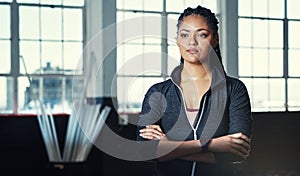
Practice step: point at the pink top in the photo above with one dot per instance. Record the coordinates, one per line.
(192, 114)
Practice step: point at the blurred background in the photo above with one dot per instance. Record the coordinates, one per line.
(137, 49)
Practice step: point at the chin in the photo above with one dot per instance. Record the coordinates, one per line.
(195, 59)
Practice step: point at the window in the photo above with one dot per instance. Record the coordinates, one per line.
(269, 53)
(147, 51)
(49, 39)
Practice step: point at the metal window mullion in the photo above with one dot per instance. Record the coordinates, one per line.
(164, 42)
(285, 53)
(40, 85)
(84, 36)
(15, 64)
(63, 79)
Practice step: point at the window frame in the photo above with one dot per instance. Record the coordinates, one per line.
(285, 66)
(16, 63)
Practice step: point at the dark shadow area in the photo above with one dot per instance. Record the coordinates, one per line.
(275, 149)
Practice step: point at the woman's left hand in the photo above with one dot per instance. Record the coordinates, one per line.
(152, 132)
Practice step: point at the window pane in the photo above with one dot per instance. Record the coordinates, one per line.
(211, 4)
(50, 90)
(260, 8)
(151, 60)
(293, 94)
(276, 33)
(293, 9)
(153, 5)
(120, 4)
(245, 32)
(294, 40)
(194, 3)
(267, 94)
(52, 54)
(131, 92)
(6, 1)
(52, 2)
(133, 4)
(51, 23)
(131, 28)
(29, 22)
(6, 94)
(260, 33)
(30, 51)
(28, 1)
(275, 62)
(244, 8)
(74, 2)
(72, 24)
(5, 21)
(139, 59)
(174, 54)
(127, 55)
(245, 62)
(294, 62)
(172, 28)
(260, 62)
(72, 57)
(174, 7)
(25, 95)
(5, 56)
(276, 8)
(276, 92)
(155, 34)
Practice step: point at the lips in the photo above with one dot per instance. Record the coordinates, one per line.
(192, 51)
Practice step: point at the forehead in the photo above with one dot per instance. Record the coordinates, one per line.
(193, 22)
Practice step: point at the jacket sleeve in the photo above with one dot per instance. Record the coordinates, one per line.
(240, 117)
(152, 109)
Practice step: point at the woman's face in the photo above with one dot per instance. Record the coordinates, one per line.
(195, 40)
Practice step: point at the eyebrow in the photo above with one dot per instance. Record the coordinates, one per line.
(201, 29)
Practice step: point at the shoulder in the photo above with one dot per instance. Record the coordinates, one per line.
(235, 85)
(161, 86)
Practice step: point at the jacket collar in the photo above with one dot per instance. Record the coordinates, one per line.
(218, 74)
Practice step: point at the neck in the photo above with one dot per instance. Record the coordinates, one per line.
(195, 71)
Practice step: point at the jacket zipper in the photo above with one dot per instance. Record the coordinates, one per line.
(194, 129)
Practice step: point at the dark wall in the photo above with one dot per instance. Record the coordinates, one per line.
(275, 149)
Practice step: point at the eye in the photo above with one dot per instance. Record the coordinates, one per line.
(184, 35)
(202, 35)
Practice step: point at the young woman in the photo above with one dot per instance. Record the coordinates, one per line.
(200, 119)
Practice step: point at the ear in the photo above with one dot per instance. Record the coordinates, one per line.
(215, 40)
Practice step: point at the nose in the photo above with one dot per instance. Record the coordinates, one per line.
(192, 41)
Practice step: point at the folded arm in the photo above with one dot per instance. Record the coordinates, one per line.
(192, 150)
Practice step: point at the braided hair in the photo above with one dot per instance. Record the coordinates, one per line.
(210, 19)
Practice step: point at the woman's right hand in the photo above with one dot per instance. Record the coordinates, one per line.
(152, 132)
(237, 143)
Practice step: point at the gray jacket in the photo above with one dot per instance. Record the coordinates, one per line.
(224, 109)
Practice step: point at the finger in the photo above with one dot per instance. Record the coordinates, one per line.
(242, 136)
(157, 127)
(241, 142)
(149, 130)
(239, 153)
(154, 135)
(241, 150)
(147, 137)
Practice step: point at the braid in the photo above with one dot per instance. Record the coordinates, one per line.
(210, 17)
